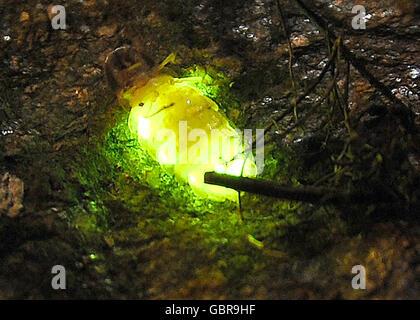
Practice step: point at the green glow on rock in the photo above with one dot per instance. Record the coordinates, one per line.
(208, 86)
(181, 127)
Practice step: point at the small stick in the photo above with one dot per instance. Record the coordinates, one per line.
(349, 56)
(305, 194)
(291, 56)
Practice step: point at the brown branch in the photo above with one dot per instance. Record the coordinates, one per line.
(290, 49)
(351, 57)
(310, 88)
(305, 194)
(297, 123)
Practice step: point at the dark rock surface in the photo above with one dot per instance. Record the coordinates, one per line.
(66, 199)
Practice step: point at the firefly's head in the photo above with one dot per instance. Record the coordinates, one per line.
(126, 65)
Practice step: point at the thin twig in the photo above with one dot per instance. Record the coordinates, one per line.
(349, 56)
(286, 33)
(305, 194)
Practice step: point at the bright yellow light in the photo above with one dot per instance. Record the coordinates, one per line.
(235, 168)
(220, 168)
(164, 103)
(162, 157)
(144, 127)
(192, 179)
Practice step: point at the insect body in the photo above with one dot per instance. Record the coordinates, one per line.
(185, 132)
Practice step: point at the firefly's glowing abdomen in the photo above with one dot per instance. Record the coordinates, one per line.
(183, 129)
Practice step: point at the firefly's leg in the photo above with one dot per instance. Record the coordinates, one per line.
(169, 59)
